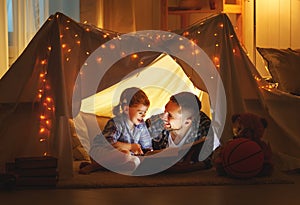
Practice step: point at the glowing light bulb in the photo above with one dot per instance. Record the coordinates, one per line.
(186, 33)
(99, 59)
(42, 130)
(134, 56)
(112, 46)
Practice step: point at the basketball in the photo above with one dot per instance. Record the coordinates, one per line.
(242, 158)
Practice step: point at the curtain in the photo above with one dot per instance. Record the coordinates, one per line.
(28, 17)
(131, 15)
(92, 12)
(119, 15)
(3, 38)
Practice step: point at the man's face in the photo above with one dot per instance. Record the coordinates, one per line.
(172, 116)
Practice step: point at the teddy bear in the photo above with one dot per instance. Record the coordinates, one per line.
(252, 127)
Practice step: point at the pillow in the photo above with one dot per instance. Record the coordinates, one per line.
(79, 152)
(87, 127)
(283, 64)
(94, 125)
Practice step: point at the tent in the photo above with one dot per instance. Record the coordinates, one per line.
(37, 91)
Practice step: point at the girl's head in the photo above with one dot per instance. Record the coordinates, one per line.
(133, 102)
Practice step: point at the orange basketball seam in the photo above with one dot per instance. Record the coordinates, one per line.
(243, 158)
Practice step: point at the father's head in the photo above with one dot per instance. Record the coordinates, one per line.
(181, 110)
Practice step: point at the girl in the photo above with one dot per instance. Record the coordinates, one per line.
(126, 132)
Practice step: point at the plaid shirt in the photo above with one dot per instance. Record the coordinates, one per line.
(160, 136)
(117, 129)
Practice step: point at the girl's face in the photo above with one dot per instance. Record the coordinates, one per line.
(137, 113)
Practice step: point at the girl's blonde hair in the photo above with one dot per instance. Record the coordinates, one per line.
(131, 97)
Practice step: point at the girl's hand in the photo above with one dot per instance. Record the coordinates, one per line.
(136, 149)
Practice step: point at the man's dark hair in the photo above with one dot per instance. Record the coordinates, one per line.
(188, 102)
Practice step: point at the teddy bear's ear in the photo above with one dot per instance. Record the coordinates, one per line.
(264, 122)
(235, 117)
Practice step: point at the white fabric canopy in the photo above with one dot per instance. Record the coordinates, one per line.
(167, 78)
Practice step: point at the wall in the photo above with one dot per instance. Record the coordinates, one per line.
(71, 8)
(277, 26)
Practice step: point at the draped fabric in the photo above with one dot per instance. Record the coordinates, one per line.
(4, 39)
(25, 19)
(42, 80)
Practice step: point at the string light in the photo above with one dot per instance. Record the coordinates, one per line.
(186, 33)
(44, 92)
(134, 56)
(99, 60)
(112, 46)
(216, 61)
(45, 100)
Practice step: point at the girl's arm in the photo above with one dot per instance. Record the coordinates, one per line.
(145, 138)
(128, 147)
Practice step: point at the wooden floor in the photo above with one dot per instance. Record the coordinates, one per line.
(271, 194)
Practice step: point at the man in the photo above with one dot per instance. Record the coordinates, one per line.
(182, 123)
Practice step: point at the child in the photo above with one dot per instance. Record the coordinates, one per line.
(126, 132)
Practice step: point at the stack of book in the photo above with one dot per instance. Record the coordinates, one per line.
(34, 171)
